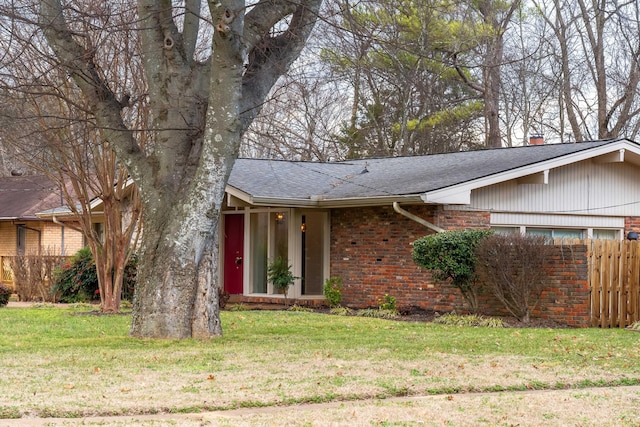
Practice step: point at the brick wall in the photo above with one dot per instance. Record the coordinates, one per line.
(565, 299)
(631, 223)
(371, 252)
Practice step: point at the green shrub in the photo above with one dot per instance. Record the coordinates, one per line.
(451, 255)
(280, 275)
(76, 280)
(333, 291)
(130, 277)
(387, 302)
(5, 294)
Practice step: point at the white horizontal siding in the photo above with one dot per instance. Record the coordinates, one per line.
(585, 188)
(556, 221)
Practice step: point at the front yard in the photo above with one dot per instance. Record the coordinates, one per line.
(61, 362)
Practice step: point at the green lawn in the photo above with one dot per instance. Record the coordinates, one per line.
(67, 363)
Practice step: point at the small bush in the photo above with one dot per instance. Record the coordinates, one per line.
(130, 277)
(451, 255)
(472, 320)
(333, 291)
(33, 272)
(387, 302)
(5, 294)
(513, 267)
(76, 280)
(280, 275)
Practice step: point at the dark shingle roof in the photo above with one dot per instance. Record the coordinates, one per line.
(380, 177)
(22, 196)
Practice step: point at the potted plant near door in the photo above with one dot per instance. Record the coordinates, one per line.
(279, 274)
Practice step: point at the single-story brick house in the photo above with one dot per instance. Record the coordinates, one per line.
(357, 219)
(21, 231)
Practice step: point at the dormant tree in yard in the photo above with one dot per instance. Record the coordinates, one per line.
(72, 156)
(49, 128)
(200, 105)
(597, 45)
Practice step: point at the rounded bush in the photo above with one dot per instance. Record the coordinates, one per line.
(5, 294)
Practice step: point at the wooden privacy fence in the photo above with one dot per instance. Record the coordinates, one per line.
(614, 279)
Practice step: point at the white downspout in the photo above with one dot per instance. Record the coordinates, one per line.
(397, 208)
(55, 221)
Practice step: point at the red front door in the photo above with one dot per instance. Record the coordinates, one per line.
(233, 253)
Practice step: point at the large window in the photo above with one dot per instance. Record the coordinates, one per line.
(259, 251)
(560, 233)
(269, 240)
(556, 233)
(312, 256)
(299, 236)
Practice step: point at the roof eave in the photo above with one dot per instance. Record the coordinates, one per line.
(460, 194)
(317, 201)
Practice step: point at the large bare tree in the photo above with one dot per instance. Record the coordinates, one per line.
(48, 125)
(597, 44)
(200, 102)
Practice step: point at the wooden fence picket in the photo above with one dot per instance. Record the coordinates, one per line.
(614, 278)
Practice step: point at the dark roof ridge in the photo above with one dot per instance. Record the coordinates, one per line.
(362, 159)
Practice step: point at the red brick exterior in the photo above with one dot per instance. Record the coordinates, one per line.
(566, 299)
(631, 223)
(371, 253)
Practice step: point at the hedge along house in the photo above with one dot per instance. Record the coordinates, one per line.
(357, 219)
(24, 233)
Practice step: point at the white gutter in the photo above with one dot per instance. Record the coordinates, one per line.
(398, 209)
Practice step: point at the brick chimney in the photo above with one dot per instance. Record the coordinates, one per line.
(536, 140)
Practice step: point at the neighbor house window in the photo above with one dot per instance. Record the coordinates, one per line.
(21, 239)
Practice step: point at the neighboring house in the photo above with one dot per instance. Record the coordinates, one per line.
(357, 219)
(21, 231)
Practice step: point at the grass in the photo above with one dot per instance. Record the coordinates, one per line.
(67, 363)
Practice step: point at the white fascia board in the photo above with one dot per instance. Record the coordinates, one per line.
(369, 201)
(268, 201)
(461, 193)
(320, 202)
(448, 196)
